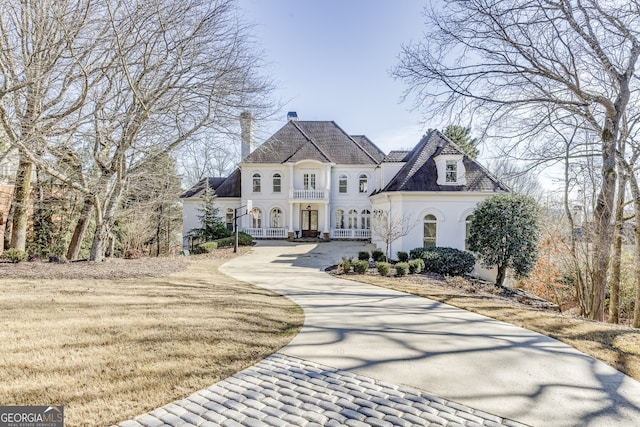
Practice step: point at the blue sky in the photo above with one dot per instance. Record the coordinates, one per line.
(330, 60)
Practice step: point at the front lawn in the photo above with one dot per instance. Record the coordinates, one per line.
(109, 350)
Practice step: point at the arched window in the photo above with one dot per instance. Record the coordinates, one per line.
(339, 219)
(342, 183)
(229, 219)
(277, 183)
(365, 220)
(276, 218)
(430, 230)
(256, 218)
(353, 218)
(257, 183)
(467, 223)
(363, 183)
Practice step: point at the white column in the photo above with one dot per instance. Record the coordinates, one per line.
(326, 218)
(290, 216)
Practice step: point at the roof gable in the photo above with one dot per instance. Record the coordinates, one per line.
(419, 172)
(222, 187)
(323, 141)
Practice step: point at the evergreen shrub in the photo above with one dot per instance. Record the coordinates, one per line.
(416, 266)
(377, 255)
(403, 256)
(384, 268)
(445, 261)
(363, 256)
(360, 266)
(15, 255)
(346, 264)
(402, 268)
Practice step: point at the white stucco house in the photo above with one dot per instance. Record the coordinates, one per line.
(311, 179)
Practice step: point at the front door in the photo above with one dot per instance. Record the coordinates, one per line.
(309, 223)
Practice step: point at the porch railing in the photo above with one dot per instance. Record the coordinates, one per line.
(267, 233)
(350, 233)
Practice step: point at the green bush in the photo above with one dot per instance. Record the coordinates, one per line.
(244, 239)
(346, 264)
(445, 261)
(384, 268)
(402, 268)
(416, 266)
(205, 248)
(363, 256)
(15, 255)
(360, 266)
(403, 256)
(377, 255)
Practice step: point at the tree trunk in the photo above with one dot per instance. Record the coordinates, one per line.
(616, 257)
(81, 228)
(6, 237)
(105, 220)
(20, 204)
(602, 236)
(635, 194)
(502, 275)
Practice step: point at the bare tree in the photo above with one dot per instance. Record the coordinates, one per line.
(514, 62)
(388, 228)
(42, 82)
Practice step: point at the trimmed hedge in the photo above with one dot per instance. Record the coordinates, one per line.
(244, 239)
(402, 268)
(363, 256)
(346, 264)
(384, 268)
(416, 266)
(445, 261)
(378, 255)
(360, 266)
(403, 256)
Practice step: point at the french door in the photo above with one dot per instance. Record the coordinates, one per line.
(309, 223)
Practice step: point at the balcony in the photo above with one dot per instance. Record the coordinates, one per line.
(308, 194)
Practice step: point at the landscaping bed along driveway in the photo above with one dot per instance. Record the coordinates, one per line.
(424, 361)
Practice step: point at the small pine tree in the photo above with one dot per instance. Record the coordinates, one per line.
(461, 137)
(212, 226)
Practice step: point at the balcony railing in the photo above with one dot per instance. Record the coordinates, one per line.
(267, 233)
(308, 194)
(350, 233)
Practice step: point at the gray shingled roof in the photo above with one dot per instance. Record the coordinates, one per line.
(223, 187)
(397, 156)
(420, 174)
(371, 148)
(323, 141)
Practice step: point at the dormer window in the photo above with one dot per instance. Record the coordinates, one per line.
(451, 173)
(450, 169)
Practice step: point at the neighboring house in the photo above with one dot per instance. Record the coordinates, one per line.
(312, 179)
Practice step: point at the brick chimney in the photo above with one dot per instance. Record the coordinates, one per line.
(246, 133)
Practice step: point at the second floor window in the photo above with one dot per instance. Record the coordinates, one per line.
(342, 183)
(363, 183)
(277, 183)
(257, 184)
(309, 181)
(452, 171)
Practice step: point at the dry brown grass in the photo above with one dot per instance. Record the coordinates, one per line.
(616, 345)
(112, 349)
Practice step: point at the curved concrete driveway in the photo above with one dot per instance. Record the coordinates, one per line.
(452, 353)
